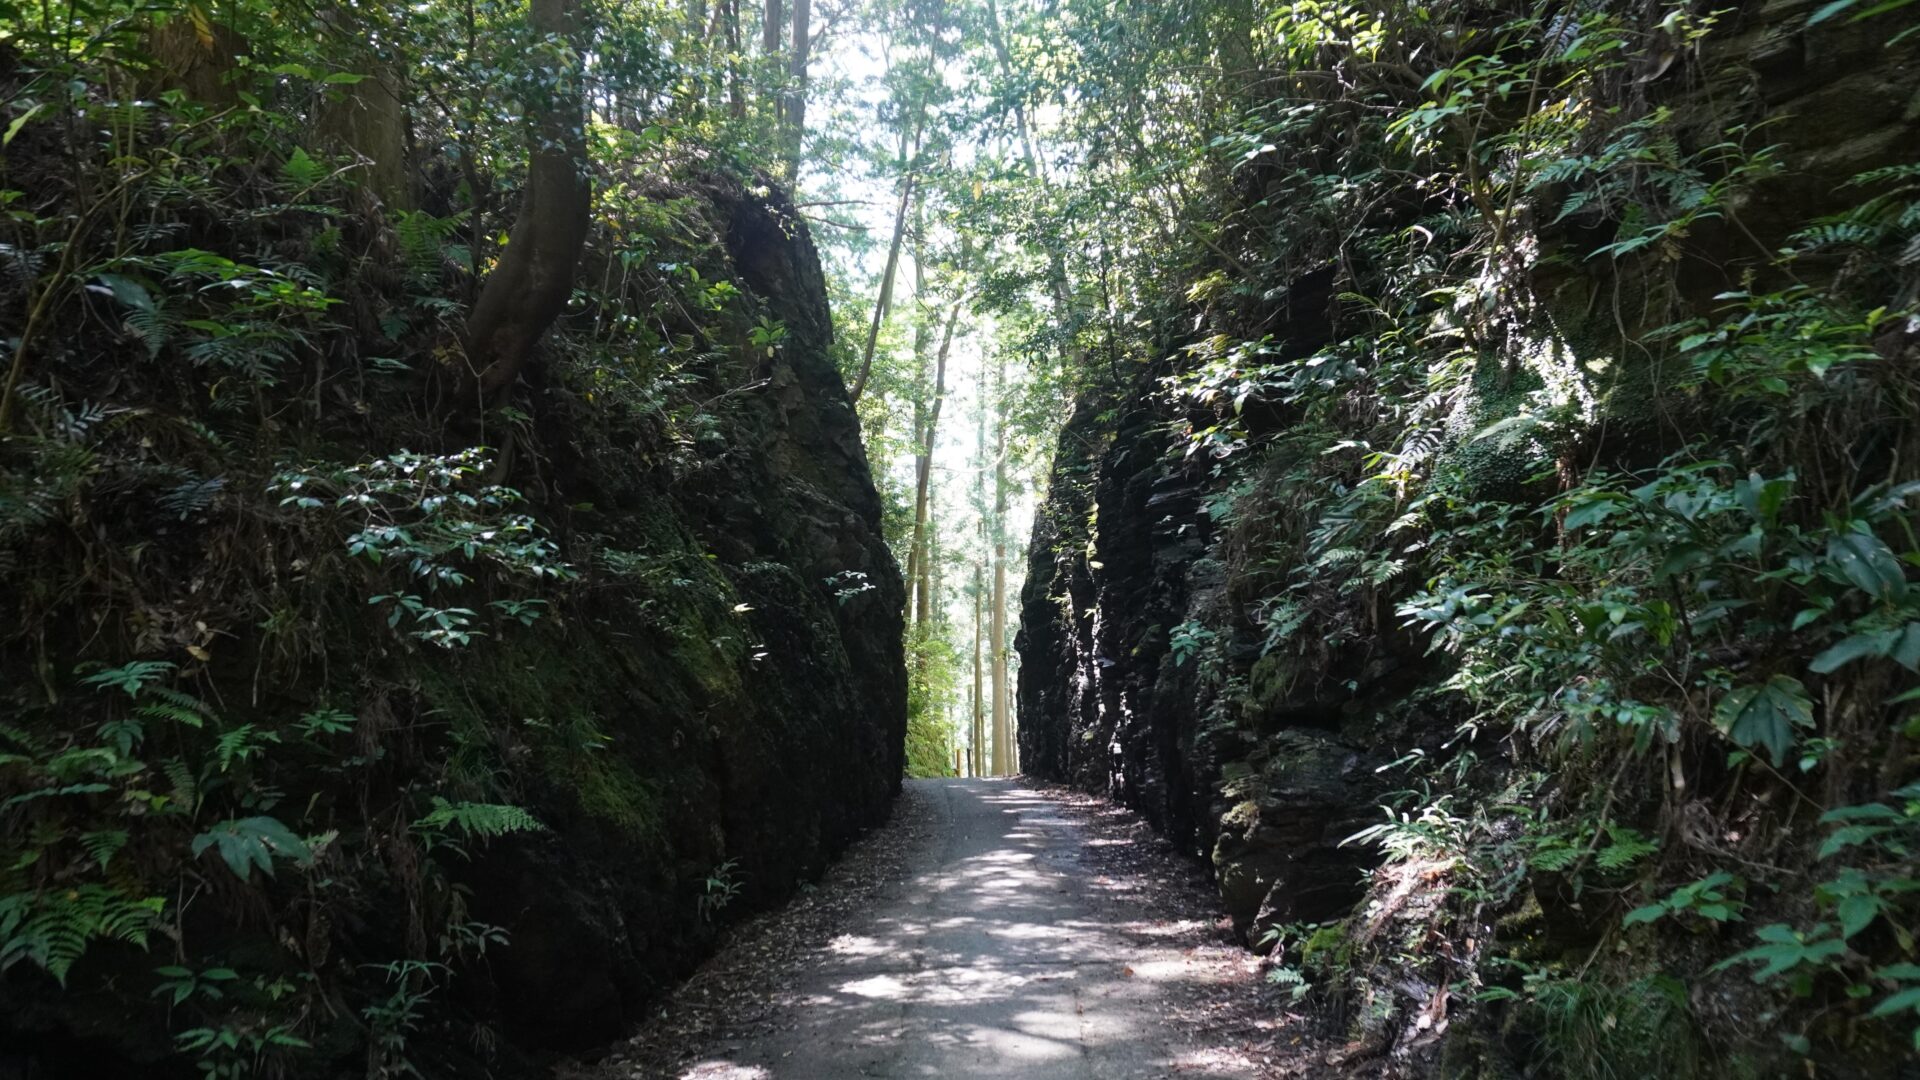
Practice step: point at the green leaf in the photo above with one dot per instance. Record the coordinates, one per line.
(1904, 999)
(1863, 812)
(20, 122)
(1868, 563)
(1848, 836)
(1857, 912)
(1644, 915)
(128, 292)
(1589, 513)
(1906, 651)
(247, 843)
(1765, 715)
(132, 677)
(1877, 643)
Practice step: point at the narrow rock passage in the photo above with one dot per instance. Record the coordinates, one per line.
(1019, 937)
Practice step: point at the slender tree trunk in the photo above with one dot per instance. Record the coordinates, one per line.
(885, 299)
(795, 112)
(736, 91)
(930, 571)
(922, 535)
(922, 342)
(770, 29)
(1056, 265)
(980, 581)
(369, 118)
(979, 739)
(1005, 57)
(530, 285)
(997, 621)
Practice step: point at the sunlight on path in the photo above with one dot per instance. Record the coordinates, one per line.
(1002, 955)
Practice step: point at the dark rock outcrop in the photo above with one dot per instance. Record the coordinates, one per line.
(1146, 672)
(789, 740)
(699, 721)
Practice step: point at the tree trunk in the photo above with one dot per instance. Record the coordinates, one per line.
(922, 336)
(196, 56)
(1003, 764)
(1005, 57)
(930, 571)
(736, 93)
(893, 260)
(979, 739)
(770, 28)
(369, 120)
(530, 285)
(794, 114)
(1056, 265)
(923, 480)
(771, 25)
(980, 580)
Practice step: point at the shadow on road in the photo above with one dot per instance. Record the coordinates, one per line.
(1003, 954)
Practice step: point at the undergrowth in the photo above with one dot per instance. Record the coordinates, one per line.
(239, 514)
(1656, 542)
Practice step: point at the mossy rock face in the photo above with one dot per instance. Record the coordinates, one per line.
(1270, 682)
(1494, 446)
(752, 717)
(1326, 949)
(1277, 856)
(693, 700)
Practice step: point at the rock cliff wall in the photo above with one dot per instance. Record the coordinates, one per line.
(675, 642)
(1184, 651)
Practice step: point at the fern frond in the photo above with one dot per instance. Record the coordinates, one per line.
(483, 820)
(54, 928)
(180, 699)
(103, 844)
(186, 790)
(153, 326)
(1625, 848)
(1891, 173)
(169, 711)
(193, 496)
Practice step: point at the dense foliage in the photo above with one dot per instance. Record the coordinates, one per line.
(1512, 337)
(322, 582)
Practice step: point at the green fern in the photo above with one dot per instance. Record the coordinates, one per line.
(53, 929)
(133, 678)
(103, 844)
(193, 495)
(1624, 848)
(175, 706)
(482, 820)
(152, 326)
(240, 744)
(186, 790)
(423, 240)
(1553, 854)
(1907, 172)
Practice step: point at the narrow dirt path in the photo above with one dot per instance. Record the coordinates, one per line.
(992, 930)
